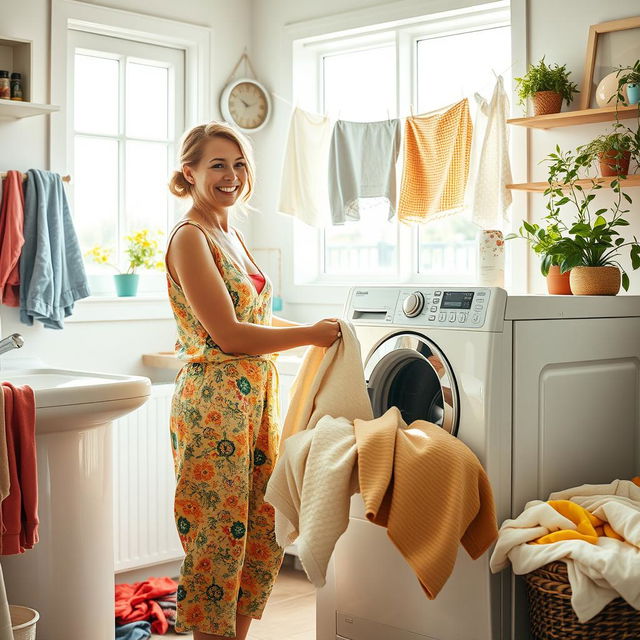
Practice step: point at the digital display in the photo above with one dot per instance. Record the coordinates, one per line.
(457, 300)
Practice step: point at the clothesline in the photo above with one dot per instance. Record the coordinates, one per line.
(24, 177)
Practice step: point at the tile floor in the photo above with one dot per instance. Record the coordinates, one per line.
(290, 613)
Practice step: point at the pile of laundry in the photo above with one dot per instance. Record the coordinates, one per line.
(145, 607)
(413, 478)
(594, 529)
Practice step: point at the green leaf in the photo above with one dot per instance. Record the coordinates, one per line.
(600, 222)
(625, 281)
(528, 226)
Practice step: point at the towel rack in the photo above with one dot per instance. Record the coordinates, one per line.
(24, 177)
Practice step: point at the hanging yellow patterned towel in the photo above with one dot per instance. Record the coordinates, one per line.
(436, 164)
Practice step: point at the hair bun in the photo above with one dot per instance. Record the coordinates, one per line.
(179, 186)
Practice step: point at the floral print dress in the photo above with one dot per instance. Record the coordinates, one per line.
(224, 439)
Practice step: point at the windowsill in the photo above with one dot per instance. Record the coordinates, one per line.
(114, 309)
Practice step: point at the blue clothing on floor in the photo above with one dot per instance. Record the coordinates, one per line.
(52, 275)
(134, 631)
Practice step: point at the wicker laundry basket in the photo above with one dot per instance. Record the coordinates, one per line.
(23, 622)
(553, 618)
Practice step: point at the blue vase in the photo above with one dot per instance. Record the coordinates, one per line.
(126, 284)
(633, 93)
(277, 303)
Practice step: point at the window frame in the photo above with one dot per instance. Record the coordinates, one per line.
(108, 47)
(308, 53)
(194, 40)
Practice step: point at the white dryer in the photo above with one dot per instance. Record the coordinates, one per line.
(544, 389)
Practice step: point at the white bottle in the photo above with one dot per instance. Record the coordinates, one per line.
(490, 258)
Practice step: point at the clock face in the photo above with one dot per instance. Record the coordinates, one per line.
(248, 105)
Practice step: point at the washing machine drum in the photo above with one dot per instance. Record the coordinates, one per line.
(408, 371)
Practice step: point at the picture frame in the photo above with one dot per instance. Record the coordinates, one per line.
(596, 30)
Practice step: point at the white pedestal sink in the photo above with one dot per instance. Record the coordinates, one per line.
(69, 575)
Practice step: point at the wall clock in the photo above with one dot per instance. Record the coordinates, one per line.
(246, 104)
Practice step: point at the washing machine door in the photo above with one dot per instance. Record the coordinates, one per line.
(410, 372)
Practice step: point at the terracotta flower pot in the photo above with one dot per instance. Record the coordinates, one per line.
(546, 102)
(558, 283)
(612, 165)
(595, 281)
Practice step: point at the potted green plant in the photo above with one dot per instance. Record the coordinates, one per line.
(143, 250)
(629, 77)
(542, 240)
(591, 244)
(548, 86)
(613, 152)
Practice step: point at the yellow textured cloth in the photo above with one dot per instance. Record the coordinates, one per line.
(437, 152)
(586, 524)
(429, 490)
(588, 527)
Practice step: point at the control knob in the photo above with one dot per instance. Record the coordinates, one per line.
(413, 304)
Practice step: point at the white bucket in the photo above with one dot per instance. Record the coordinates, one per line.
(23, 622)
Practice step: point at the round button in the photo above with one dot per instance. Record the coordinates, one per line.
(413, 304)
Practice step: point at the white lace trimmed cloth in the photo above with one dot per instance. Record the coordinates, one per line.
(489, 197)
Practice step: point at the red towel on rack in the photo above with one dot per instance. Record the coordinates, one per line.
(20, 507)
(11, 238)
(136, 602)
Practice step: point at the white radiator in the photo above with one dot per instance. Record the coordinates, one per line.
(144, 483)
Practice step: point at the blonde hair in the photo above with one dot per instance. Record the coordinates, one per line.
(191, 153)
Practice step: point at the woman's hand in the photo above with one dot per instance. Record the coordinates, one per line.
(325, 332)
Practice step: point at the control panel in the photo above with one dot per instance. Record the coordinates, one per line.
(446, 307)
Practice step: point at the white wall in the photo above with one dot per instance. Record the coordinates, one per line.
(555, 29)
(559, 31)
(106, 346)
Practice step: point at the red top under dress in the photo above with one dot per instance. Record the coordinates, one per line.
(258, 281)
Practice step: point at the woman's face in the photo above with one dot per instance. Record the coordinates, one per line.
(221, 174)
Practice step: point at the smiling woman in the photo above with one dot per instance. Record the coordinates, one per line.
(225, 405)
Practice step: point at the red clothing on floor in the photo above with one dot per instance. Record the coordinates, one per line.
(11, 238)
(136, 602)
(20, 507)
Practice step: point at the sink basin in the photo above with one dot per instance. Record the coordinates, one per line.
(74, 412)
(68, 399)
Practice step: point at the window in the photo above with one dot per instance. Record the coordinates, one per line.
(387, 73)
(128, 112)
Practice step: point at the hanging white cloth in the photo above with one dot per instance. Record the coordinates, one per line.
(491, 168)
(303, 190)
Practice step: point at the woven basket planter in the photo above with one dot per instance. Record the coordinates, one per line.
(552, 617)
(595, 281)
(545, 102)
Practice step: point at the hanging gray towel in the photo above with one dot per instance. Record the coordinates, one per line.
(362, 164)
(52, 275)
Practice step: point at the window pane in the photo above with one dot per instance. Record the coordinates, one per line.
(361, 86)
(470, 58)
(365, 247)
(95, 95)
(147, 101)
(146, 193)
(448, 247)
(95, 191)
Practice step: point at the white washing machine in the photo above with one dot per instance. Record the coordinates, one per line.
(544, 389)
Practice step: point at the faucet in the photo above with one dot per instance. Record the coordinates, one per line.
(14, 341)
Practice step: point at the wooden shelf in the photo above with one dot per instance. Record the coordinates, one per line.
(629, 181)
(571, 118)
(13, 109)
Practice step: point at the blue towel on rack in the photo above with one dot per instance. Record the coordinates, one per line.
(52, 275)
